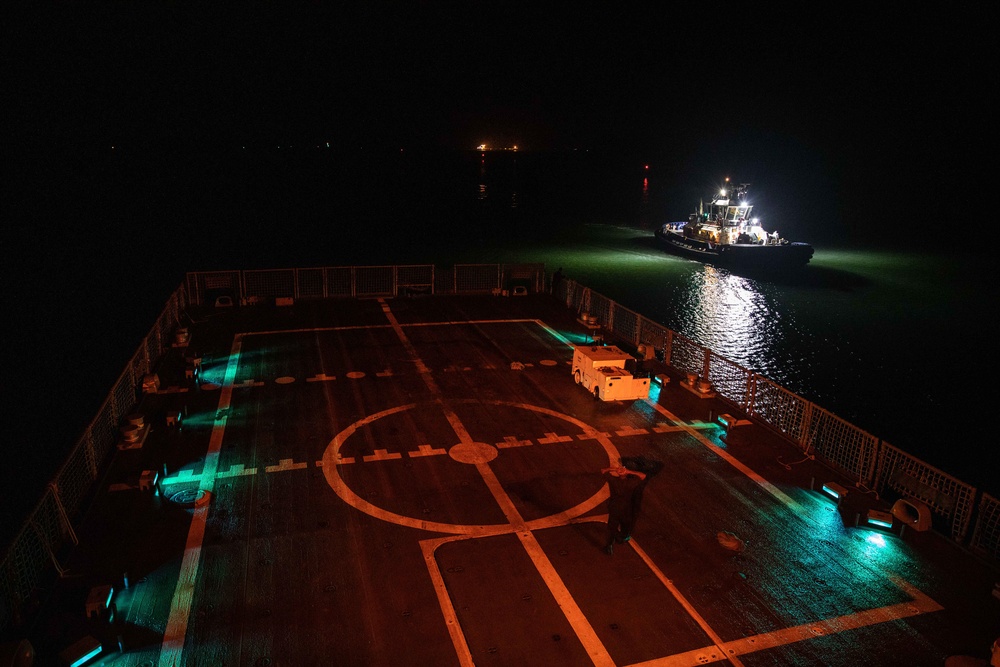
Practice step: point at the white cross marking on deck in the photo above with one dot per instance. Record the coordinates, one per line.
(631, 430)
(584, 631)
(427, 450)
(382, 455)
(551, 438)
(285, 464)
(512, 441)
(236, 470)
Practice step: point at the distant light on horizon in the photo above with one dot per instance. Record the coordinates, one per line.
(486, 147)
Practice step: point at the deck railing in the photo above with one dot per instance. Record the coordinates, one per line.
(35, 554)
(256, 286)
(873, 463)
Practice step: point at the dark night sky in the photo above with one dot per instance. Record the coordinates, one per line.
(451, 73)
(879, 102)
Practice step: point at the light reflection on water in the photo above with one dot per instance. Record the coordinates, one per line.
(730, 315)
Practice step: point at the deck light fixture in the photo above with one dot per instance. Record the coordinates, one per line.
(727, 421)
(877, 519)
(81, 652)
(99, 600)
(834, 491)
(149, 481)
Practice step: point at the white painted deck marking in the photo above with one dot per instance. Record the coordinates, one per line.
(921, 604)
(444, 600)
(182, 476)
(664, 427)
(688, 607)
(780, 495)
(285, 464)
(581, 626)
(365, 327)
(236, 470)
(332, 461)
(427, 450)
(512, 441)
(383, 455)
(172, 648)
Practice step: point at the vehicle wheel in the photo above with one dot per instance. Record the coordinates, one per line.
(577, 378)
(597, 393)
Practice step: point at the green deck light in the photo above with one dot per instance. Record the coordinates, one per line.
(876, 539)
(727, 421)
(82, 652)
(873, 518)
(834, 490)
(83, 659)
(878, 519)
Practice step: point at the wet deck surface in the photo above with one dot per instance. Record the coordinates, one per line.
(417, 481)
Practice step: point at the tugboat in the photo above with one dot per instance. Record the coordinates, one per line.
(725, 234)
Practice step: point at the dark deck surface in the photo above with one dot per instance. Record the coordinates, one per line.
(417, 482)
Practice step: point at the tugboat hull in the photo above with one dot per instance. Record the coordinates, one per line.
(738, 256)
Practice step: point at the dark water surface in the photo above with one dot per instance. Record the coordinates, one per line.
(889, 339)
